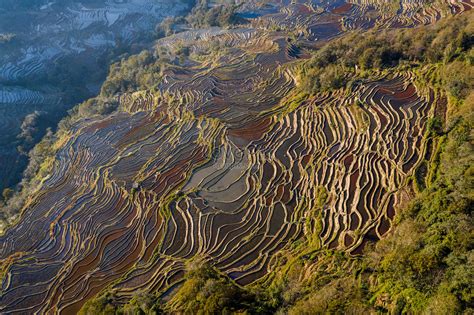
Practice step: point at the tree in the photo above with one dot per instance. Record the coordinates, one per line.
(7, 194)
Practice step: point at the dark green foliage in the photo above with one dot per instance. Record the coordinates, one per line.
(105, 304)
(166, 27)
(7, 193)
(420, 176)
(205, 291)
(142, 71)
(96, 106)
(449, 40)
(142, 304)
(203, 15)
(326, 78)
(102, 305)
(429, 256)
(435, 126)
(459, 78)
(342, 296)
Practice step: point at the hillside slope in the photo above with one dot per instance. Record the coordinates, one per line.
(54, 54)
(255, 167)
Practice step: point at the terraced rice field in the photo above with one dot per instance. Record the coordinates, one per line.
(213, 165)
(76, 34)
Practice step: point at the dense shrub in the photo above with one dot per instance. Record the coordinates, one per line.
(205, 291)
(142, 71)
(448, 41)
(429, 255)
(459, 78)
(221, 14)
(103, 305)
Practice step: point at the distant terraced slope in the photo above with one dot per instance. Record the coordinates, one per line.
(62, 40)
(216, 163)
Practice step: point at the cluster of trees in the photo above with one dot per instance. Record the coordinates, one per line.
(203, 15)
(219, 14)
(142, 71)
(29, 126)
(204, 291)
(448, 41)
(41, 159)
